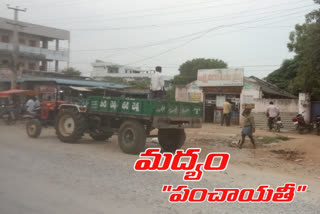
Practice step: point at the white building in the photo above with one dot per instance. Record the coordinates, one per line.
(39, 46)
(107, 69)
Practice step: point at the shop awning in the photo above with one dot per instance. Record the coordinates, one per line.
(10, 92)
(80, 88)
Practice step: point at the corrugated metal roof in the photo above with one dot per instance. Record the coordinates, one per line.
(271, 89)
(70, 82)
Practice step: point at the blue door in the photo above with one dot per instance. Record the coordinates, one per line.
(315, 109)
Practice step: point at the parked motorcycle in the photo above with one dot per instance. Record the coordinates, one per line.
(300, 124)
(8, 115)
(316, 124)
(277, 124)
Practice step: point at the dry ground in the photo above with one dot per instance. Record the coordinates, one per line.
(287, 152)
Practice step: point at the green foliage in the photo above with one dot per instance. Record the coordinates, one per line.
(285, 75)
(71, 72)
(115, 80)
(268, 139)
(143, 83)
(189, 69)
(136, 82)
(170, 94)
(305, 42)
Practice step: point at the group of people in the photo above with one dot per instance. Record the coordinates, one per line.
(157, 91)
(32, 104)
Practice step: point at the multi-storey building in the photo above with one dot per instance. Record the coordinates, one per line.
(39, 46)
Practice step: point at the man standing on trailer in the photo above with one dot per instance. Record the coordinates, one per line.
(157, 85)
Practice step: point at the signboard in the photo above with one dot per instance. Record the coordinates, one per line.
(220, 77)
(247, 99)
(194, 97)
(194, 92)
(220, 101)
(47, 89)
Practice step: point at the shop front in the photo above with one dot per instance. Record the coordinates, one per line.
(214, 97)
(219, 85)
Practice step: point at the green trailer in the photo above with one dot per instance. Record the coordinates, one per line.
(131, 119)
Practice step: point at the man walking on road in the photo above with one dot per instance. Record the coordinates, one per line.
(272, 112)
(157, 85)
(226, 113)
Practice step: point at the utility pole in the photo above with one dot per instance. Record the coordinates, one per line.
(15, 42)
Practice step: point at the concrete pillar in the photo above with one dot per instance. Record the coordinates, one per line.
(44, 65)
(57, 44)
(45, 43)
(203, 106)
(305, 106)
(56, 67)
(68, 62)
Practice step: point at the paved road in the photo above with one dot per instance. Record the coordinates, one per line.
(46, 176)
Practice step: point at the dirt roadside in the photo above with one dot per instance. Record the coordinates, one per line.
(278, 158)
(286, 152)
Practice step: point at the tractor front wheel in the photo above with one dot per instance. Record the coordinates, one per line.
(70, 126)
(33, 128)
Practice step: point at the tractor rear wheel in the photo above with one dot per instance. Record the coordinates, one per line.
(33, 128)
(132, 137)
(70, 126)
(171, 139)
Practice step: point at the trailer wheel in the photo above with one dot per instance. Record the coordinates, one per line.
(70, 126)
(33, 128)
(171, 139)
(97, 136)
(132, 137)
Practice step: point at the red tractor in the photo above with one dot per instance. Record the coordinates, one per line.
(42, 117)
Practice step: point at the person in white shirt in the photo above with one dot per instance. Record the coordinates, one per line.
(157, 85)
(37, 103)
(30, 105)
(272, 113)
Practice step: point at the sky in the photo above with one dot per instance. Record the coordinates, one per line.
(252, 34)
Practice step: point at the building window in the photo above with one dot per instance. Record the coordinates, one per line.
(32, 43)
(5, 38)
(5, 62)
(32, 66)
(21, 64)
(22, 41)
(113, 70)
